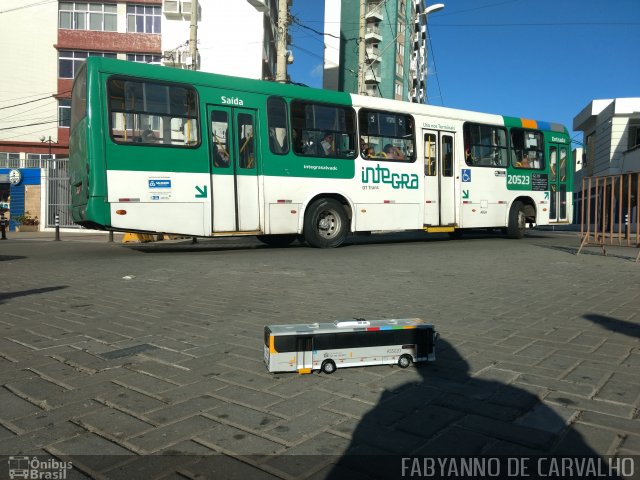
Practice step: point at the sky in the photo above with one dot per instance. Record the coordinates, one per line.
(538, 59)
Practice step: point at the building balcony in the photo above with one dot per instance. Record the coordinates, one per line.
(372, 75)
(372, 34)
(373, 54)
(374, 13)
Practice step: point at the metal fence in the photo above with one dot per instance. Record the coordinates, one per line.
(609, 211)
(59, 193)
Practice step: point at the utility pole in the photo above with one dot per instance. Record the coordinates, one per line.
(361, 49)
(283, 30)
(193, 35)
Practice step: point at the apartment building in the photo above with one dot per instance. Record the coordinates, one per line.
(46, 42)
(395, 53)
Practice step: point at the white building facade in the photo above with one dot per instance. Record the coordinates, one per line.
(233, 38)
(611, 129)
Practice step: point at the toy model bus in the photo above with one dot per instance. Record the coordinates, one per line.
(156, 149)
(303, 348)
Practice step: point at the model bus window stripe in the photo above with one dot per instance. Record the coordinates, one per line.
(305, 348)
(201, 154)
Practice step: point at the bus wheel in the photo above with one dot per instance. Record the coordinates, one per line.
(277, 240)
(404, 361)
(517, 221)
(328, 367)
(325, 224)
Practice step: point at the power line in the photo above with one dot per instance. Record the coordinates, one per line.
(48, 97)
(433, 59)
(44, 2)
(27, 125)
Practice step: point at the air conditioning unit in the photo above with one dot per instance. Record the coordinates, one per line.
(172, 58)
(186, 7)
(171, 7)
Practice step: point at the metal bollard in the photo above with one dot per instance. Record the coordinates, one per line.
(2, 228)
(57, 239)
(110, 237)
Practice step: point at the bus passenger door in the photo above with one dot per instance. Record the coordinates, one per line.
(234, 169)
(304, 347)
(431, 184)
(558, 164)
(447, 181)
(439, 180)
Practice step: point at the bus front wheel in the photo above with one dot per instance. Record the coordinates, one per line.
(326, 224)
(328, 367)
(517, 221)
(404, 361)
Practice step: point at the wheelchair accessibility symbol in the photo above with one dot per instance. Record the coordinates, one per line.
(466, 175)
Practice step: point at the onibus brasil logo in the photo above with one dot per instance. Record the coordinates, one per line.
(380, 174)
(36, 469)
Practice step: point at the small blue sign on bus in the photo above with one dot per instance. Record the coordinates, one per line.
(466, 174)
(160, 183)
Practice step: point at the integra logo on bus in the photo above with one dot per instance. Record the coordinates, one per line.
(383, 175)
(231, 101)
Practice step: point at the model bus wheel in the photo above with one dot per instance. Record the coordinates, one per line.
(325, 224)
(328, 367)
(404, 361)
(517, 221)
(277, 240)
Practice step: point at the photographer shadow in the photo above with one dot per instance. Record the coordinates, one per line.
(450, 413)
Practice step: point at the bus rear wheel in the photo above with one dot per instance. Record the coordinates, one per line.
(517, 221)
(404, 361)
(328, 367)
(326, 224)
(277, 240)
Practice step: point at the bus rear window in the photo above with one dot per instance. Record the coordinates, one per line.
(145, 112)
(79, 97)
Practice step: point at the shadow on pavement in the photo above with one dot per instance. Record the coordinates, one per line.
(33, 291)
(7, 258)
(614, 325)
(449, 413)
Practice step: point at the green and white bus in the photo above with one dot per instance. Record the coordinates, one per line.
(350, 343)
(157, 149)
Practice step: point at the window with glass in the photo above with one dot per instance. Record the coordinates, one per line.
(527, 149)
(64, 112)
(485, 145)
(278, 129)
(145, 58)
(220, 139)
(79, 98)
(323, 130)
(152, 113)
(386, 136)
(143, 18)
(88, 16)
(430, 154)
(69, 61)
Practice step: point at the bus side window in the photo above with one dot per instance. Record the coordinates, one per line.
(277, 125)
(219, 129)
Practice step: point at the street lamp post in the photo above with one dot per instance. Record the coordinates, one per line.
(49, 141)
(430, 9)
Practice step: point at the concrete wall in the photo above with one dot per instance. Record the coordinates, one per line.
(30, 66)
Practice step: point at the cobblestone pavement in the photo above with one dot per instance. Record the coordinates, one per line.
(111, 351)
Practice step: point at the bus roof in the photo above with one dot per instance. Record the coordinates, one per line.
(350, 325)
(169, 74)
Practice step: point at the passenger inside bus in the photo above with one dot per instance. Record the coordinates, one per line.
(327, 144)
